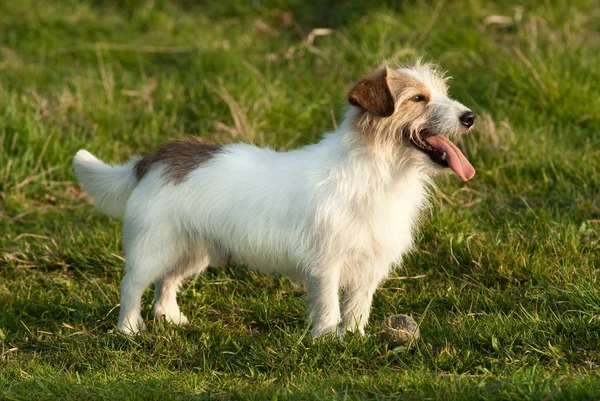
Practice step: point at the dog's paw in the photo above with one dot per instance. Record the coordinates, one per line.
(328, 332)
(179, 319)
(352, 328)
(131, 326)
(173, 317)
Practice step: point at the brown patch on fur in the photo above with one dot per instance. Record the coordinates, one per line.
(381, 132)
(179, 156)
(373, 94)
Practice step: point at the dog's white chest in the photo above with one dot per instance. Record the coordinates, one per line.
(390, 230)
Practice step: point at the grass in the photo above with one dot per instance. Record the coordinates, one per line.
(506, 266)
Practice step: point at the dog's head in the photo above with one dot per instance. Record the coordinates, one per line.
(409, 107)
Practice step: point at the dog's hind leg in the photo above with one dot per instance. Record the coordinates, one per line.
(133, 285)
(192, 262)
(148, 254)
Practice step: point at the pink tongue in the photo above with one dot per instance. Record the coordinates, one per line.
(456, 160)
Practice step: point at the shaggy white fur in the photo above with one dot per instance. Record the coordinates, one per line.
(335, 215)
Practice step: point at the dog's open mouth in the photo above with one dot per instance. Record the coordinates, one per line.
(443, 152)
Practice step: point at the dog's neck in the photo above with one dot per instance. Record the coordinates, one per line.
(363, 170)
(396, 158)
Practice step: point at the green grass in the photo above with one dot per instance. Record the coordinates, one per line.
(503, 280)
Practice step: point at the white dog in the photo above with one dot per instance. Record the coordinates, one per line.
(335, 215)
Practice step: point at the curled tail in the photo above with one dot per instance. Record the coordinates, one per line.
(110, 185)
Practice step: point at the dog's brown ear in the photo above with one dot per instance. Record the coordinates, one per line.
(373, 94)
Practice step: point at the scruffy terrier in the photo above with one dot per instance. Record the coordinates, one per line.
(335, 215)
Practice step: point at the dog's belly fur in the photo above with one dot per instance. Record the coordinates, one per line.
(278, 247)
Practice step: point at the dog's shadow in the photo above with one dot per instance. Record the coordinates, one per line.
(244, 301)
(233, 297)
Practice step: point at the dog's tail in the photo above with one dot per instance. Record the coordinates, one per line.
(110, 185)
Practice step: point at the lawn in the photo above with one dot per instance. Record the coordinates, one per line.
(503, 280)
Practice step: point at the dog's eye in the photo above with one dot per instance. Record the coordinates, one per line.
(418, 98)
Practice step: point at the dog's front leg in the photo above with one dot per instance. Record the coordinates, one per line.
(358, 296)
(324, 307)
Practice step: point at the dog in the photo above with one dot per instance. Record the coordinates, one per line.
(336, 215)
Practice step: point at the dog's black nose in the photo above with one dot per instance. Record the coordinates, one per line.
(467, 119)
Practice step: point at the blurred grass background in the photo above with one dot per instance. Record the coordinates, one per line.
(504, 277)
